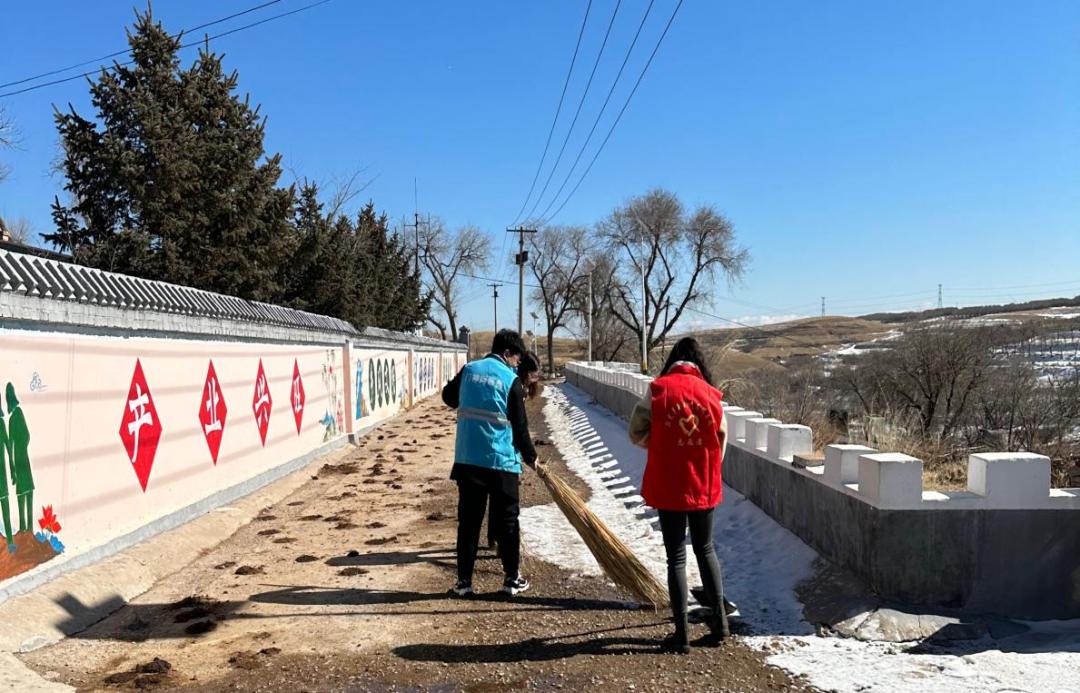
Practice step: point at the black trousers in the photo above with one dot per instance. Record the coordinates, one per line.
(673, 526)
(476, 487)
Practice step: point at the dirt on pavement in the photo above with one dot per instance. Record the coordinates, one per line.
(341, 586)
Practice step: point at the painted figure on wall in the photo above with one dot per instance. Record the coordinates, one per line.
(5, 509)
(19, 450)
(361, 403)
(334, 418)
(26, 548)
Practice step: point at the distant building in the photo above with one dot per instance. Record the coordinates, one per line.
(8, 243)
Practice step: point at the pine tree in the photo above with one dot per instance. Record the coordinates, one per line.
(392, 294)
(171, 181)
(357, 271)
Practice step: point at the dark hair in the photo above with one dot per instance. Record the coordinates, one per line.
(530, 363)
(507, 340)
(688, 349)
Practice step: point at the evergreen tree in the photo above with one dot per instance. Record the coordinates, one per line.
(172, 181)
(392, 294)
(357, 271)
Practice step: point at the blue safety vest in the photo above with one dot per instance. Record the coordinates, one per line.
(484, 436)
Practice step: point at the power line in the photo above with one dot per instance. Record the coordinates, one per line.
(577, 113)
(181, 47)
(558, 110)
(128, 50)
(998, 289)
(621, 112)
(493, 279)
(603, 108)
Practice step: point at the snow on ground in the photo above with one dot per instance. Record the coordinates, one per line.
(763, 563)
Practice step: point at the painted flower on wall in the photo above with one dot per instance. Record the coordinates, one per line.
(50, 526)
(48, 522)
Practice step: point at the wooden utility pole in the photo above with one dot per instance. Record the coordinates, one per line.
(495, 298)
(590, 309)
(520, 259)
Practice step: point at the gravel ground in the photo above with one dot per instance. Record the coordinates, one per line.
(341, 587)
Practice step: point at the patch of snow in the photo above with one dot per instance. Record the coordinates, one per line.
(763, 564)
(1060, 316)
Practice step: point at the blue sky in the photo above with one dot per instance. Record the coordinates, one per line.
(865, 152)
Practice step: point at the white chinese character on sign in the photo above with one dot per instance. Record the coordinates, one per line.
(212, 407)
(263, 402)
(143, 417)
(297, 398)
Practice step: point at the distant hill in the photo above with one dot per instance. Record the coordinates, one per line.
(805, 337)
(973, 311)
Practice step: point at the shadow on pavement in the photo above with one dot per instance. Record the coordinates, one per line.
(531, 650)
(319, 596)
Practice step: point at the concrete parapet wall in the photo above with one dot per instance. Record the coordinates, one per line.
(127, 420)
(1009, 544)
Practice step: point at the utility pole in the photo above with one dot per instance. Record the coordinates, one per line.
(416, 228)
(644, 316)
(590, 310)
(939, 302)
(495, 297)
(663, 347)
(520, 259)
(822, 306)
(416, 231)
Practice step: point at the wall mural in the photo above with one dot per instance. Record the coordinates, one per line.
(23, 547)
(361, 403)
(140, 427)
(262, 403)
(382, 382)
(424, 374)
(28, 540)
(213, 412)
(334, 418)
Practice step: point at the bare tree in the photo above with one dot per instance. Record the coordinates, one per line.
(8, 138)
(344, 191)
(19, 230)
(612, 340)
(682, 254)
(935, 372)
(448, 257)
(559, 261)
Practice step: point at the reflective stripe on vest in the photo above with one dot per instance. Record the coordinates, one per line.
(483, 415)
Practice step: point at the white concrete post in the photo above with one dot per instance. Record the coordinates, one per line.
(736, 421)
(1010, 479)
(891, 480)
(757, 432)
(784, 441)
(842, 463)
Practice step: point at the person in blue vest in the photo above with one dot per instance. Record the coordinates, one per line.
(529, 373)
(492, 441)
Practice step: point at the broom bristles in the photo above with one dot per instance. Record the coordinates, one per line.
(615, 558)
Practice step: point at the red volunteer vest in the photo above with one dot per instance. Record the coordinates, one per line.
(683, 469)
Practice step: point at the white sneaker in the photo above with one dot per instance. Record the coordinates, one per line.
(462, 588)
(515, 585)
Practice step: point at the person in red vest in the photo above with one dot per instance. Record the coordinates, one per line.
(681, 423)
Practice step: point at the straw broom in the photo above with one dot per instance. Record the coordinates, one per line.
(615, 558)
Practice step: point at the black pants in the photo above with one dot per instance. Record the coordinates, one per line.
(475, 487)
(673, 526)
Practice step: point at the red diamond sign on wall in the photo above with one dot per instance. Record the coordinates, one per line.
(140, 428)
(297, 396)
(212, 412)
(262, 403)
